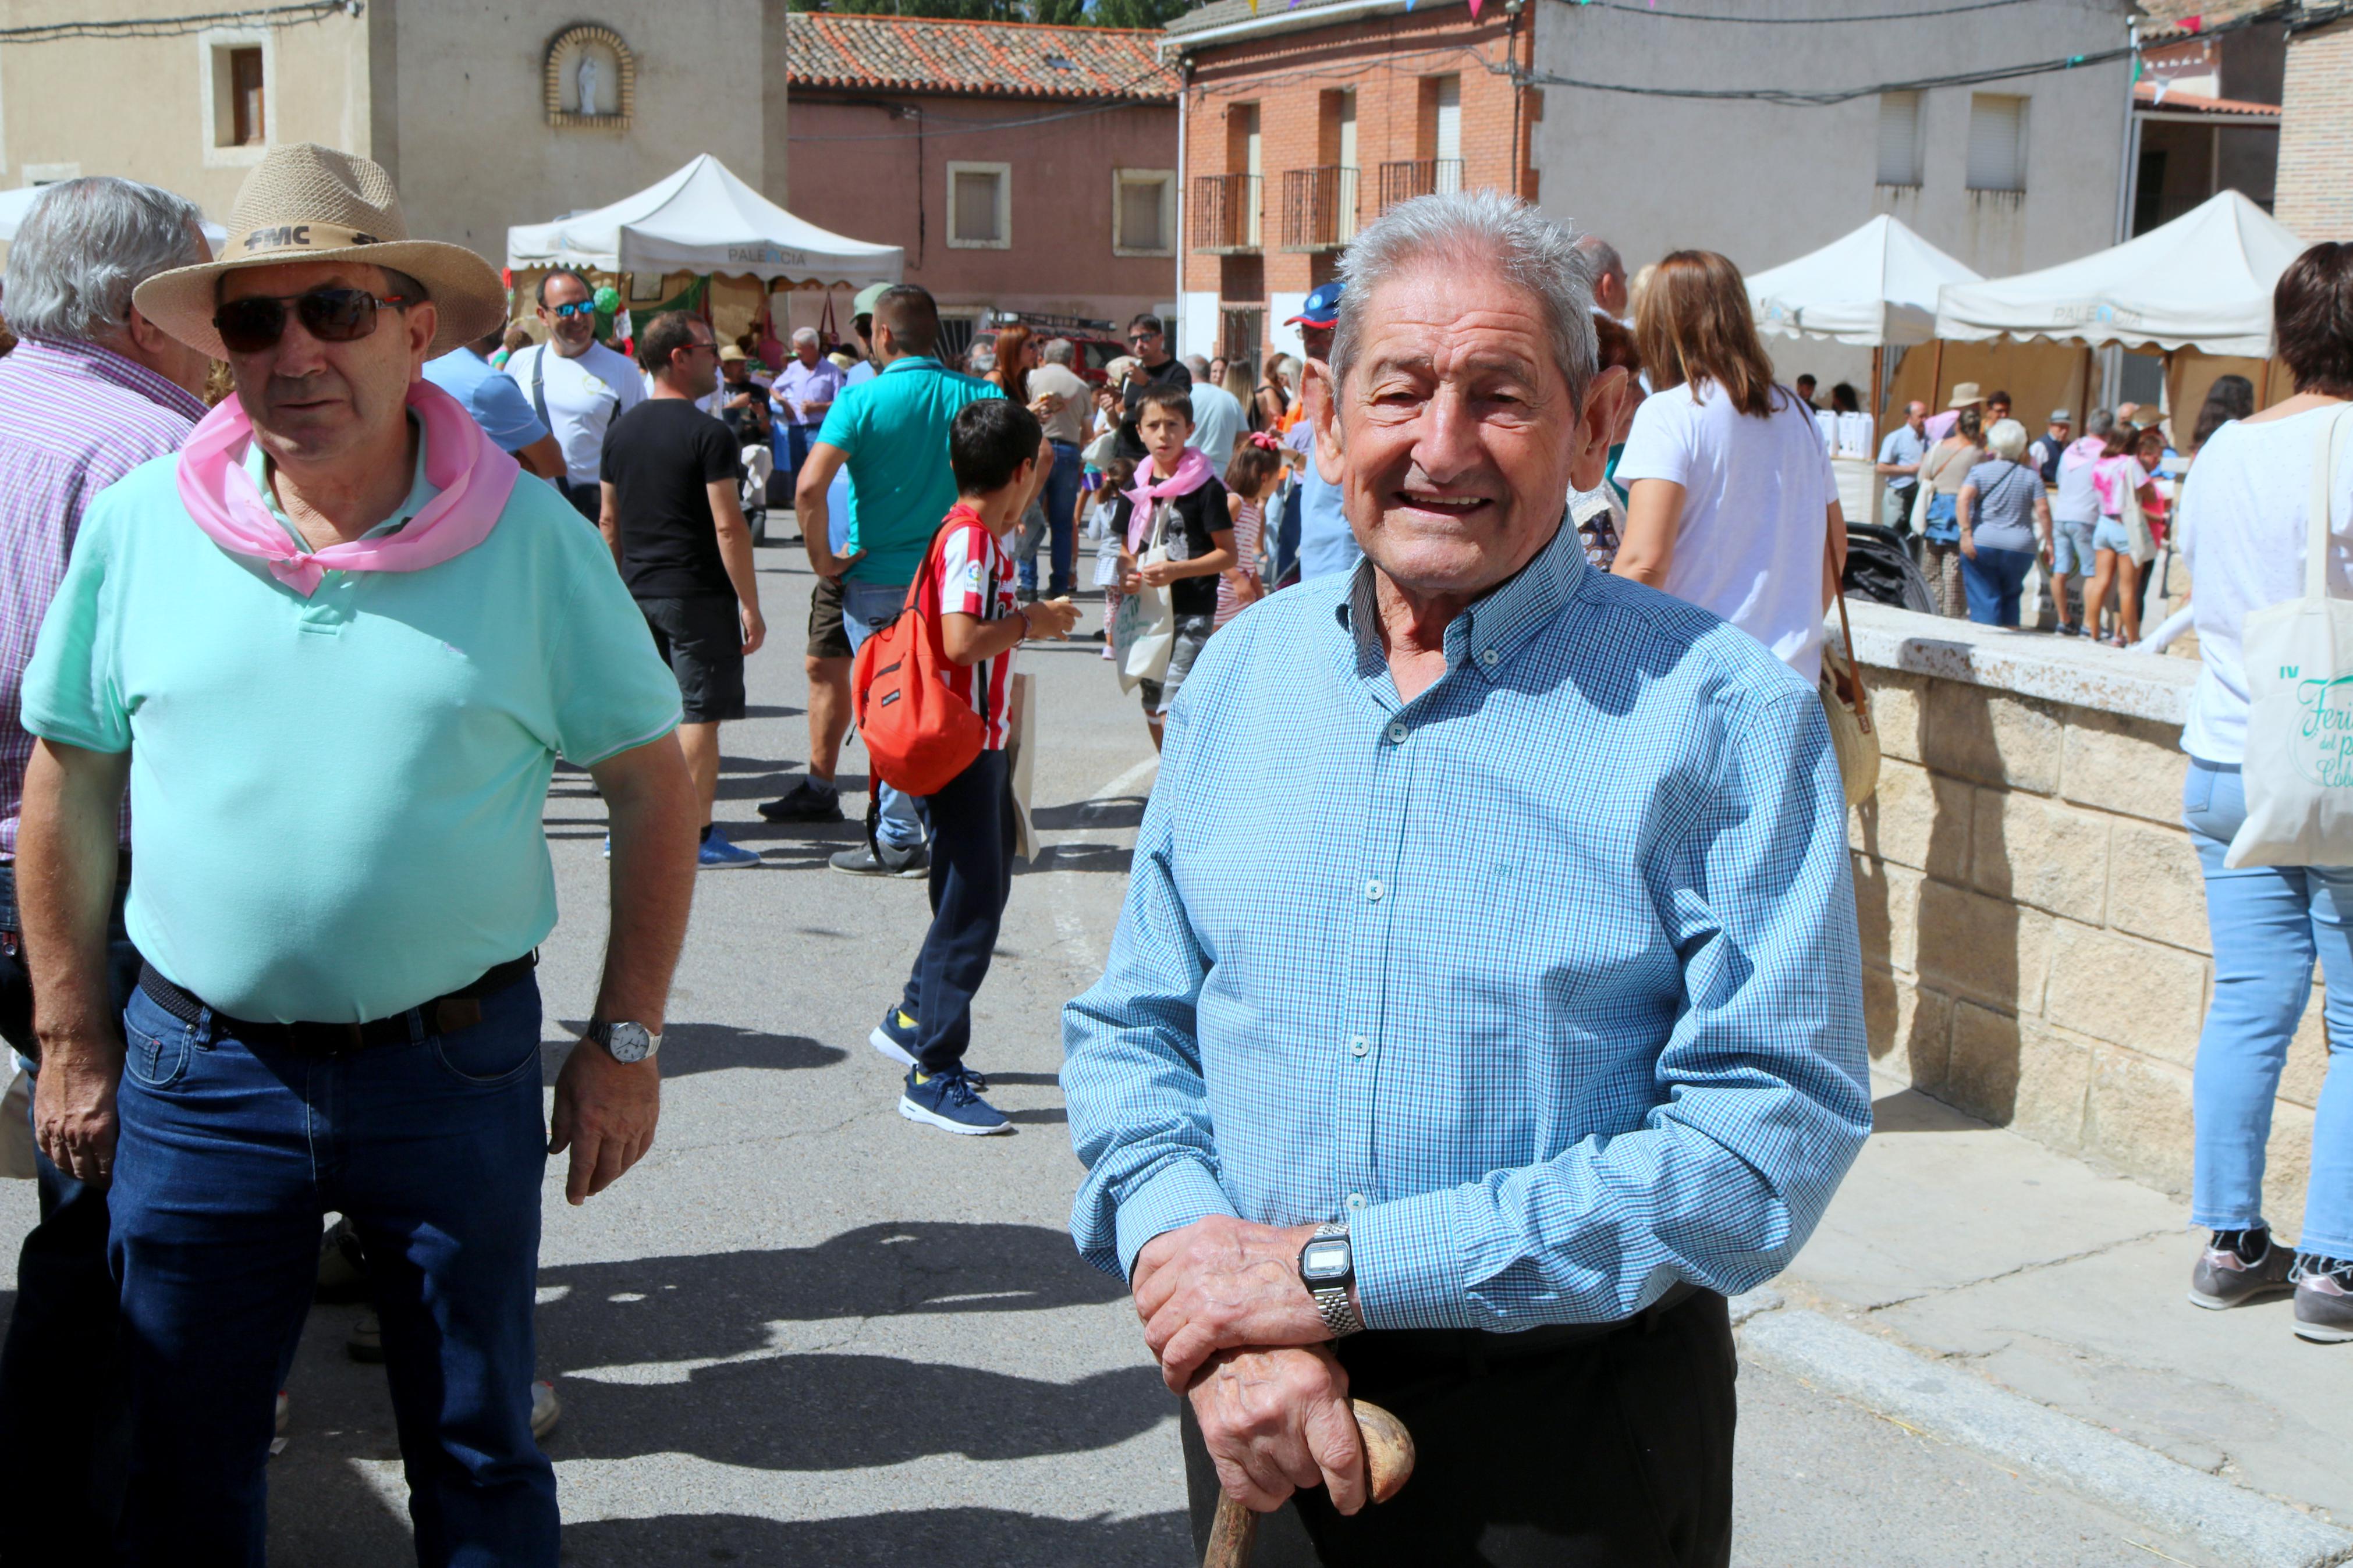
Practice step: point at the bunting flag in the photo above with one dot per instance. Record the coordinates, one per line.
(1474, 10)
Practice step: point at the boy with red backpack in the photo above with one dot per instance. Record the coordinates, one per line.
(965, 597)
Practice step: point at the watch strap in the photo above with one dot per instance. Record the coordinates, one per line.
(1339, 1315)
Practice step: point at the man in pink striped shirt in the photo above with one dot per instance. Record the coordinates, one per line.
(93, 390)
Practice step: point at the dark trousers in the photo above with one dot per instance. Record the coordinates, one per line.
(793, 450)
(1994, 581)
(231, 1153)
(1060, 498)
(1610, 1453)
(972, 876)
(64, 1416)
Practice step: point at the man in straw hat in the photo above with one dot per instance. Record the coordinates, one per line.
(1966, 394)
(335, 646)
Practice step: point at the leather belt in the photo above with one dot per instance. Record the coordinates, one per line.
(460, 1009)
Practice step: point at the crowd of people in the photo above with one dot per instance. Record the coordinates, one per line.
(1514, 529)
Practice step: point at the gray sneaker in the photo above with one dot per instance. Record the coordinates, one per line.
(867, 860)
(2323, 1300)
(2239, 1267)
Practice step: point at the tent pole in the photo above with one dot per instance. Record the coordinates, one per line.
(1937, 374)
(2083, 403)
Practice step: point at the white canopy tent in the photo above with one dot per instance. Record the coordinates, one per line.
(14, 205)
(1875, 287)
(703, 219)
(2202, 282)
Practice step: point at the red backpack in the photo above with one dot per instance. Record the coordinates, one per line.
(919, 735)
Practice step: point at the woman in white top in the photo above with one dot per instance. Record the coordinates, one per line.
(1731, 495)
(2242, 526)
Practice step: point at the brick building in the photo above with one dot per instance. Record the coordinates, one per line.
(2315, 152)
(1302, 124)
(1023, 168)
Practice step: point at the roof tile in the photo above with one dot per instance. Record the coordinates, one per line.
(992, 59)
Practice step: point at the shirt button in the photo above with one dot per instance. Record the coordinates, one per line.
(1397, 734)
(1491, 658)
(1372, 890)
(1358, 1045)
(1357, 1200)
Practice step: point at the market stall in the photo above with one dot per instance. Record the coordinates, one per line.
(682, 239)
(1874, 288)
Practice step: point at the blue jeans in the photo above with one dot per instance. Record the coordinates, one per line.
(230, 1156)
(899, 821)
(1060, 500)
(2268, 923)
(792, 443)
(1994, 581)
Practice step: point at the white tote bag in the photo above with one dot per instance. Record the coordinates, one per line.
(1145, 629)
(2299, 661)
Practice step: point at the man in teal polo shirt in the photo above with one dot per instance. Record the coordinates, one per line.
(892, 433)
(334, 646)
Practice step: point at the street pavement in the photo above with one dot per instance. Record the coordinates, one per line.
(806, 1330)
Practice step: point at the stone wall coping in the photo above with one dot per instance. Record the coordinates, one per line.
(2073, 670)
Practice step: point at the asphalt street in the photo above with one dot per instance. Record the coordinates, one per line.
(806, 1330)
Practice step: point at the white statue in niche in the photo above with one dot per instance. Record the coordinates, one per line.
(587, 79)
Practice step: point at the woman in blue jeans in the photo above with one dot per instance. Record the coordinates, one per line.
(2243, 525)
(2005, 518)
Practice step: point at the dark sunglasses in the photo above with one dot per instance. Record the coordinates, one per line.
(330, 315)
(577, 308)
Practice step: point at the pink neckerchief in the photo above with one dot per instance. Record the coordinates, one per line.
(1192, 473)
(474, 476)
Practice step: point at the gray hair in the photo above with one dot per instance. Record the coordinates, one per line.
(1604, 256)
(805, 335)
(85, 246)
(2102, 423)
(1475, 227)
(2007, 440)
(1199, 365)
(1059, 350)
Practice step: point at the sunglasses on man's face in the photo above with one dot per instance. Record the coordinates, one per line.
(1141, 337)
(577, 308)
(330, 315)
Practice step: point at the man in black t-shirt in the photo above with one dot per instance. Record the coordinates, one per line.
(1148, 337)
(676, 526)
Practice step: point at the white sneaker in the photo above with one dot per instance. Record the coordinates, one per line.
(546, 1410)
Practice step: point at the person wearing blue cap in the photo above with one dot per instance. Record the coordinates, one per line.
(1324, 544)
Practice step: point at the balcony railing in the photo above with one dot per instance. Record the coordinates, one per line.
(1226, 212)
(1409, 177)
(1319, 208)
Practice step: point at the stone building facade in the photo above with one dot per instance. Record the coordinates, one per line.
(2032, 917)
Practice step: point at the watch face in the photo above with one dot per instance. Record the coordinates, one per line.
(628, 1043)
(1324, 1259)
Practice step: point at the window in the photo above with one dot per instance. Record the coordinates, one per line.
(1144, 212)
(1997, 143)
(240, 66)
(980, 206)
(1450, 119)
(1899, 138)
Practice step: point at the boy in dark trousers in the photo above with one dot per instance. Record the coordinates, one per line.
(967, 584)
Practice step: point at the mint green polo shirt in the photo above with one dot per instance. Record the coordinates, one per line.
(895, 429)
(336, 802)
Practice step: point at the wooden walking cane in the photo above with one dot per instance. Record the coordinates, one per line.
(1388, 1460)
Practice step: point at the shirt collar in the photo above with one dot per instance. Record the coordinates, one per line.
(61, 356)
(910, 362)
(1491, 633)
(421, 490)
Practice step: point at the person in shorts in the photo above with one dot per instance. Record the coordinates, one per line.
(2076, 513)
(674, 518)
(1178, 504)
(816, 798)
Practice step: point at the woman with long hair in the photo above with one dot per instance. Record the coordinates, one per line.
(2245, 519)
(1732, 504)
(2231, 397)
(1016, 356)
(1241, 381)
(1276, 394)
(2121, 482)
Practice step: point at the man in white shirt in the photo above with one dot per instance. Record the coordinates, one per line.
(579, 388)
(1218, 420)
(1899, 465)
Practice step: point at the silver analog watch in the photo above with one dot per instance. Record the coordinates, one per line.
(625, 1042)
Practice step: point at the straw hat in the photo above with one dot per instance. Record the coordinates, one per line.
(309, 203)
(1965, 394)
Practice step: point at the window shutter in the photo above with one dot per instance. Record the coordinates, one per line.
(1139, 216)
(975, 207)
(1899, 138)
(1997, 143)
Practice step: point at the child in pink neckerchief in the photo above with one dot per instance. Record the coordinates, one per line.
(1177, 511)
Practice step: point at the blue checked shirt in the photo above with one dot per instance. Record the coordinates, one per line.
(1546, 981)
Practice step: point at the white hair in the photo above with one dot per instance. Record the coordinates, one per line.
(1059, 350)
(2008, 439)
(1475, 229)
(804, 335)
(84, 245)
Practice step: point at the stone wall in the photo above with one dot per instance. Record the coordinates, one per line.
(2033, 921)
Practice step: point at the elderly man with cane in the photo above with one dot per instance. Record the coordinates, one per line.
(334, 646)
(1487, 1005)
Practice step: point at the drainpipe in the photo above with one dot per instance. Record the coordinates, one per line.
(1184, 91)
(2128, 189)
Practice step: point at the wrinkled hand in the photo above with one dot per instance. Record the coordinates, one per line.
(604, 1113)
(756, 630)
(1220, 1283)
(73, 1109)
(1275, 1421)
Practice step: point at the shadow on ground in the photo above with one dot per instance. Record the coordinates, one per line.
(952, 1537)
(711, 1047)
